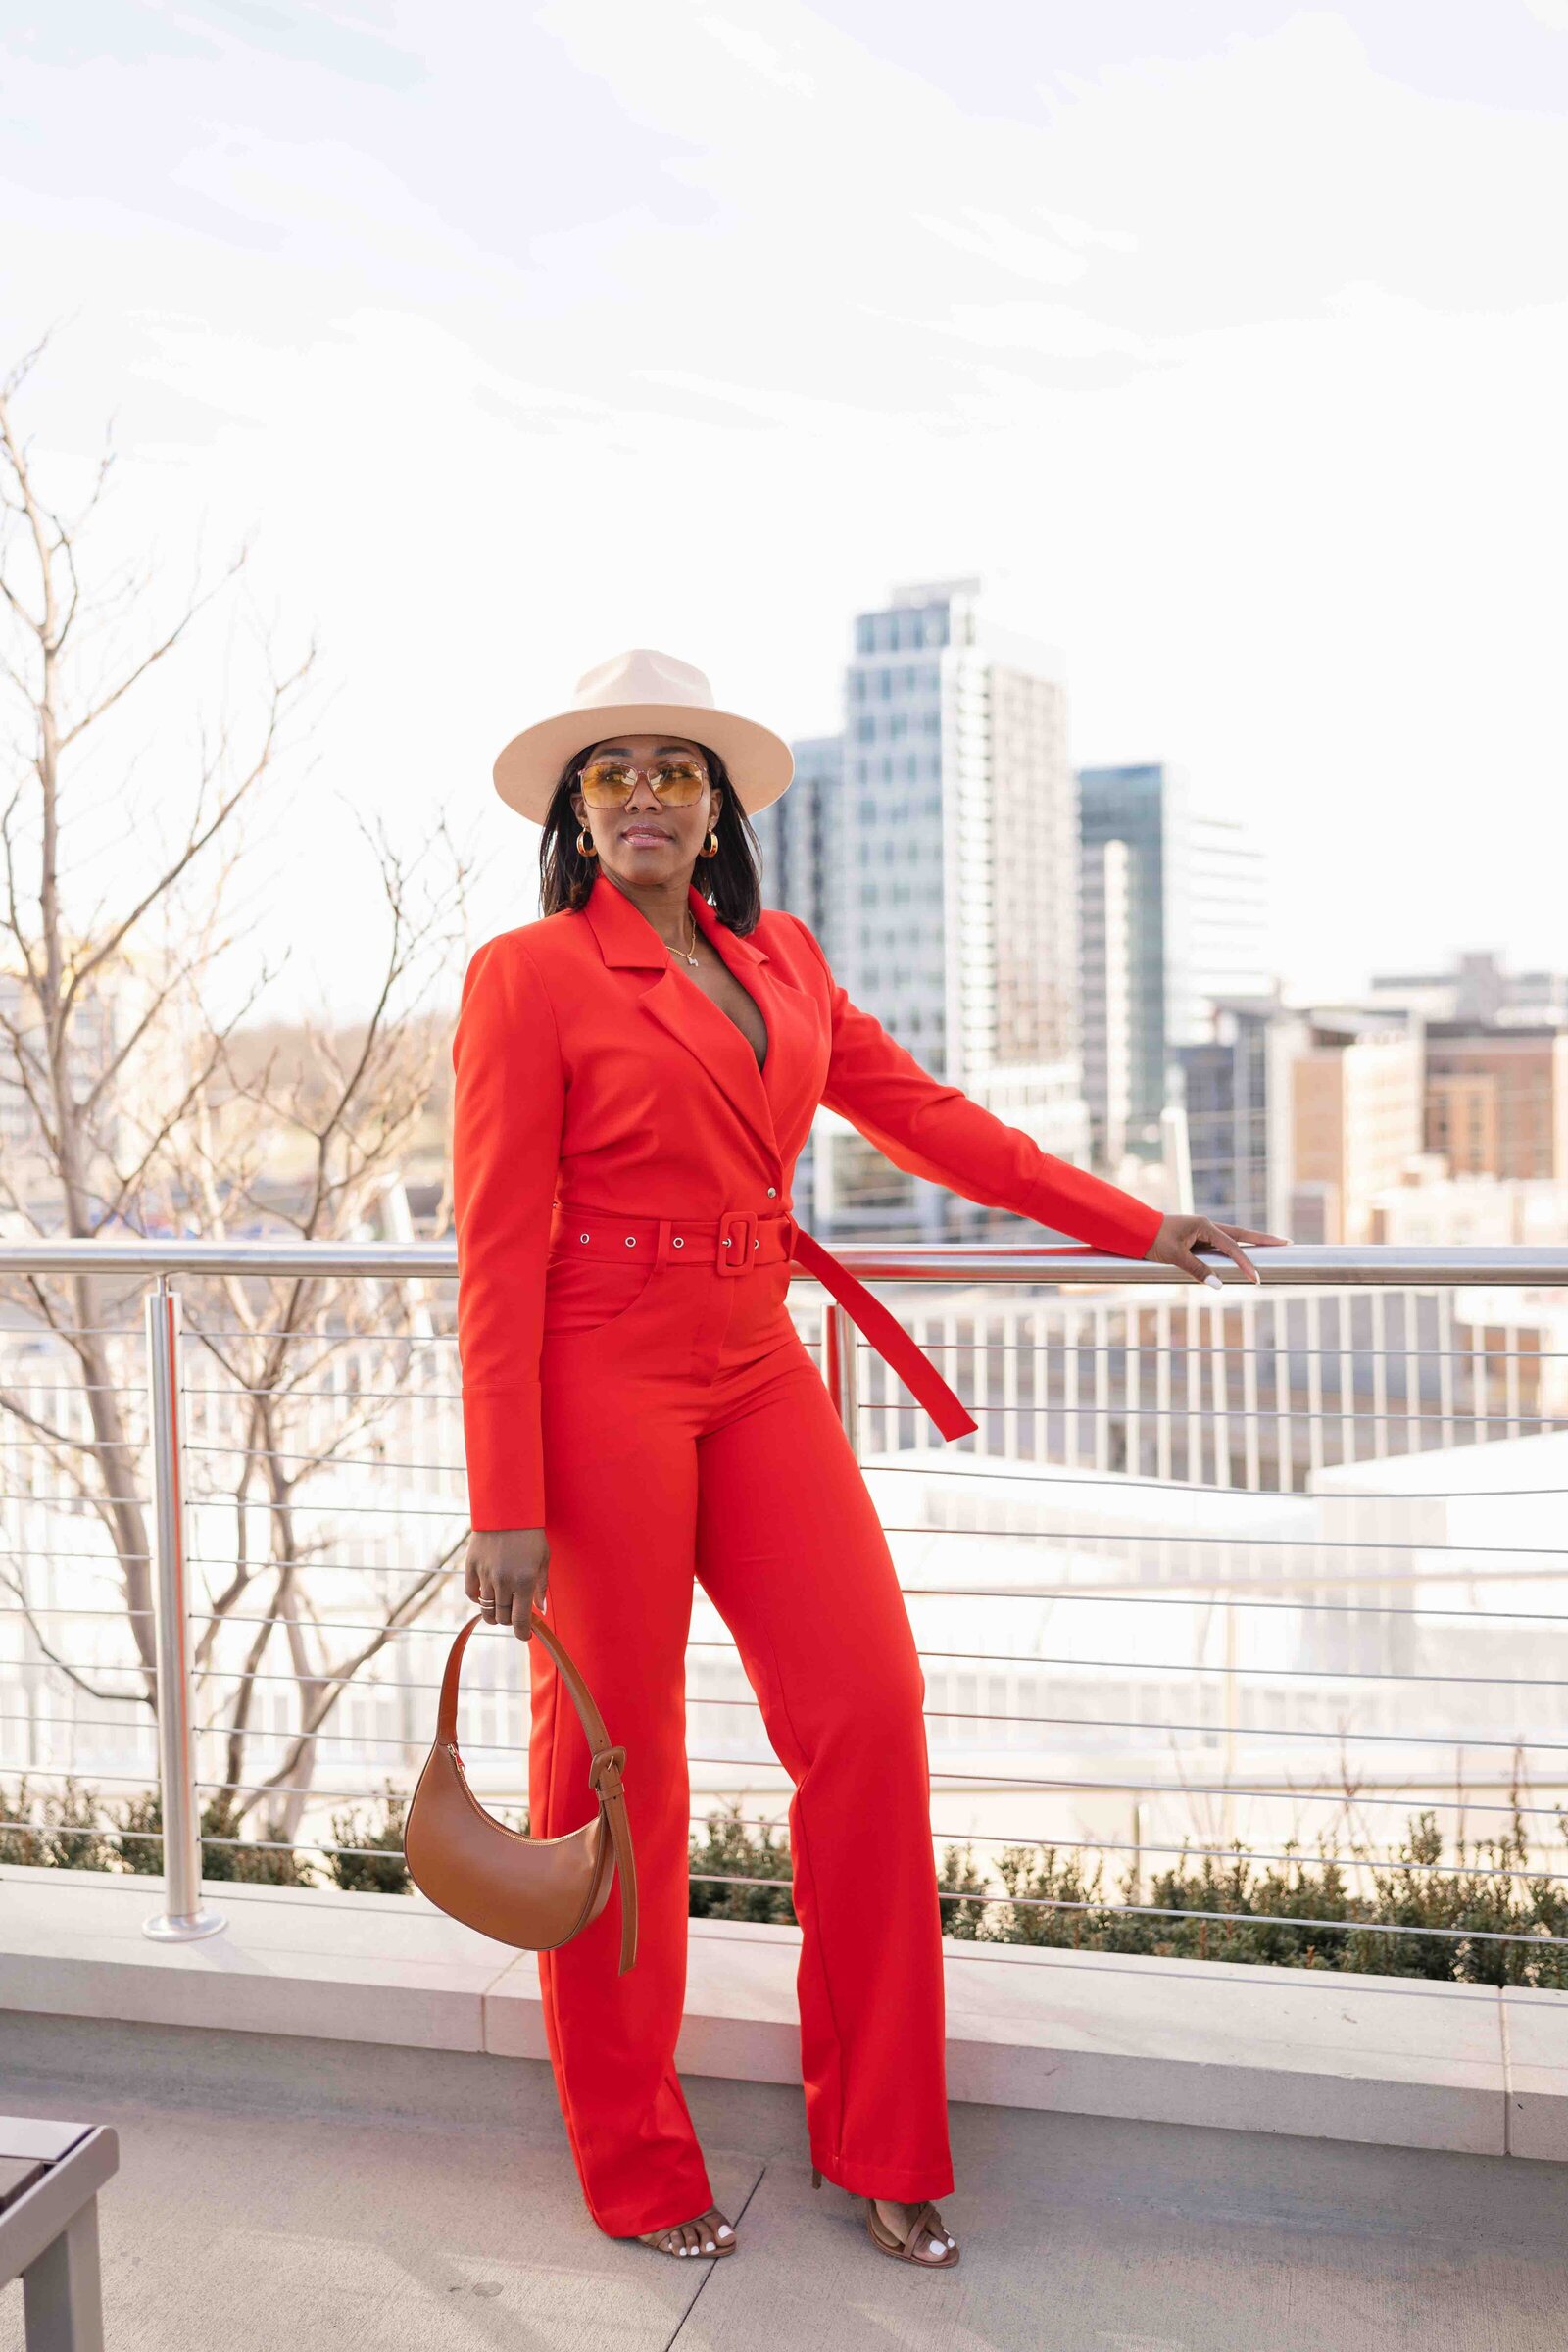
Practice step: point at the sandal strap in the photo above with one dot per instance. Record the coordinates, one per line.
(925, 2219)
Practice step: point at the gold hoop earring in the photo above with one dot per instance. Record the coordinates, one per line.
(585, 845)
(710, 848)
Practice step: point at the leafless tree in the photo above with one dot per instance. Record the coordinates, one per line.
(129, 1104)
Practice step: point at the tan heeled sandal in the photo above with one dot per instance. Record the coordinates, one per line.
(927, 2223)
(709, 2248)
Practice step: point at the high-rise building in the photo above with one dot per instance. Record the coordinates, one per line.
(1356, 1121)
(1105, 958)
(802, 840)
(1496, 1099)
(945, 878)
(1238, 1098)
(1174, 920)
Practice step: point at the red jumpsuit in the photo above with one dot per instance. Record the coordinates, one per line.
(633, 1382)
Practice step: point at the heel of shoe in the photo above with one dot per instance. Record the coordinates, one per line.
(816, 2177)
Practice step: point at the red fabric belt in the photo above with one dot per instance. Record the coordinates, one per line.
(743, 1239)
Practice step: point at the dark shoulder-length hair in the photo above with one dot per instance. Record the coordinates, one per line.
(732, 880)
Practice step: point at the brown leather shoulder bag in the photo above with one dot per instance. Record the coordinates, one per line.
(536, 1893)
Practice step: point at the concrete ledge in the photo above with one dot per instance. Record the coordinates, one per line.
(1390, 2061)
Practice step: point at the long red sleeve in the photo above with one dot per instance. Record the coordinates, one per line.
(509, 1104)
(935, 1131)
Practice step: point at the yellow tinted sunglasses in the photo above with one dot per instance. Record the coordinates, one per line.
(610, 783)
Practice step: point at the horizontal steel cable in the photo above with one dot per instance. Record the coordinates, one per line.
(1241, 1918)
(948, 1838)
(1019, 1661)
(1330, 1410)
(1101, 1787)
(1130, 1536)
(1088, 1722)
(1077, 1845)
(1036, 1782)
(1115, 1481)
(1237, 1731)
(1216, 1596)
(1020, 1472)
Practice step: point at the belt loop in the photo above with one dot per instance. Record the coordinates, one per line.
(666, 1226)
(737, 1230)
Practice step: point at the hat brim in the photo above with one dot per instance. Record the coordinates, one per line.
(760, 763)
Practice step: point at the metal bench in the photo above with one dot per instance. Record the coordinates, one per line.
(50, 2175)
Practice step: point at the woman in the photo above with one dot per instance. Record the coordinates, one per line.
(635, 1077)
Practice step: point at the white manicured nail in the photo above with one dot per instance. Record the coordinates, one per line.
(685, 2250)
(724, 2229)
(1212, 1282)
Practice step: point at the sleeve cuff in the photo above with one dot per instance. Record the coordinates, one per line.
(1101, 1215)
(504, 1451)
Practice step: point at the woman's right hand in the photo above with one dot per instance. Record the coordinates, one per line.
(508, 1571)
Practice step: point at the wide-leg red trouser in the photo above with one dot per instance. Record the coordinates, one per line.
(687, 1433)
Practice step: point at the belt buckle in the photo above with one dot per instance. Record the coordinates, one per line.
(736, 1234)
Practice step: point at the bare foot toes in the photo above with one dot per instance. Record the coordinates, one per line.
(709, 2233)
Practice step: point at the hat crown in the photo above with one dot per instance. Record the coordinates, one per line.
(642, 675)
(633, 693)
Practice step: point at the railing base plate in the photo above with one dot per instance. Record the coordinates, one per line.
(168, 1927)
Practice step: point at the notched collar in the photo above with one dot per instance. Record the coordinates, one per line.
(625, 938)
(629, 940)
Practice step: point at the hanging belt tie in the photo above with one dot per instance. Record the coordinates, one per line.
(885, 1333)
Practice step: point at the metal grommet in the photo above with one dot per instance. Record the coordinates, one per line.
(632, 1241)
(678, 1242)
(730, 1243)
(582, 1237)
(772, 1192)
(757, 1245)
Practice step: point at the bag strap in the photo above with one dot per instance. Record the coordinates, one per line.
(606, 1761)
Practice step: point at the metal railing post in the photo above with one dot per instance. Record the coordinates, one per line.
(844, 1372)
(184, 1915)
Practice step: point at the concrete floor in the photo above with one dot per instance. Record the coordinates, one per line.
(284, 2195)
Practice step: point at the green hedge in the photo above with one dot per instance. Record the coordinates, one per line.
(1306, 1911)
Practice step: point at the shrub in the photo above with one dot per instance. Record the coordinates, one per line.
(383, 1870)
(1061, 1901)
(65, 1829)
(729, 1852)
(1302, 1911)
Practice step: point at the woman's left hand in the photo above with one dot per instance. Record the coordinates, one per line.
(1178, 1238)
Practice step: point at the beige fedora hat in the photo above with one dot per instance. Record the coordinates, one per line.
(642, 693)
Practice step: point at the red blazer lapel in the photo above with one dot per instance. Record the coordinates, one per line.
(627, 940)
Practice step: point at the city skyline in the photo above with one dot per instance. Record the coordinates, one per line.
(1271, 450)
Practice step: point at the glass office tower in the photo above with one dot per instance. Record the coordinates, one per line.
(1174, 920)
(945, 880)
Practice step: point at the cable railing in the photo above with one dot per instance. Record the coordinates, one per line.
(1194, 1588)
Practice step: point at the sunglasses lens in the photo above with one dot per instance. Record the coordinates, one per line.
(679, 784)
(607, 784)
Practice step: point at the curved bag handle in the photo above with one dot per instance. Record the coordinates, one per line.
(605, 1763)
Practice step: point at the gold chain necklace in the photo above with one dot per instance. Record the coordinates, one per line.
(680, 951)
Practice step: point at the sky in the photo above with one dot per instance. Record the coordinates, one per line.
(1227, 345)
